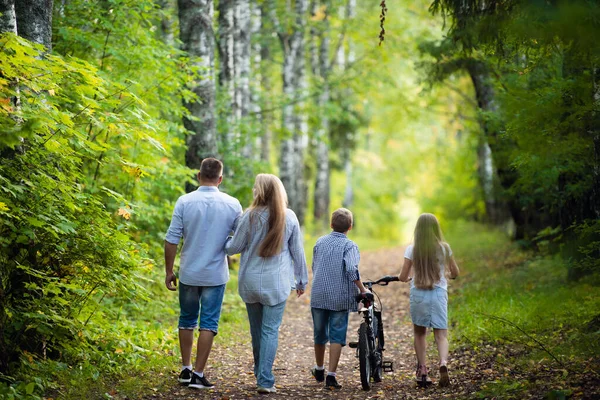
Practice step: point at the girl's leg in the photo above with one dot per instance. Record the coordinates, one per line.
(421, 347)
(441, 339)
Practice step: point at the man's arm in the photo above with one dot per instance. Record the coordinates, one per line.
(170, 253)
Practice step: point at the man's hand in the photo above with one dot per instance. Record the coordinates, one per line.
(171, 281)
(299, 292)
(365, 291)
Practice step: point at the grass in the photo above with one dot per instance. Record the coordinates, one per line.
(524, 301)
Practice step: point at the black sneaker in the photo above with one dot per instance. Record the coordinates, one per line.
(185, 376)
(200, 383)
(331, 383)
(319, 374)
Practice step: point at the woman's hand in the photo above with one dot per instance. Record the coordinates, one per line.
(299, 292)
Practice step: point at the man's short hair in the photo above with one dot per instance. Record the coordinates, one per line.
(211, 169)
(341, 220)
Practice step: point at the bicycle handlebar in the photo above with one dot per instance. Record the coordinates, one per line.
(384, 281)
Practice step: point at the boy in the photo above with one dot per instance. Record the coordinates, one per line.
(336, 282)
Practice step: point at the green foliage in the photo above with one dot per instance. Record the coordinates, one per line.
(509, 298)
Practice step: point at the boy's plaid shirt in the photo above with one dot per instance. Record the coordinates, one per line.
(335, 268)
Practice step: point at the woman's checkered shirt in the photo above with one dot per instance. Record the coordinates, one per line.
(335, 268)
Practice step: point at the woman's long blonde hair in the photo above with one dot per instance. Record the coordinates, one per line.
(270, 194)
(428, 242)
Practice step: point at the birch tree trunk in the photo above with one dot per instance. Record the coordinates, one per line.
(265, 57)
(301, 132)
(242, 20)
(8, 19)
(257, 68)
(491, 181)
(195, 25)
(291, 168)
(346, 152)
(34, 21)
(321, 198)
(227, 66)
(166, 22)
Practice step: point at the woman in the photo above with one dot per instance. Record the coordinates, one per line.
(269, 238)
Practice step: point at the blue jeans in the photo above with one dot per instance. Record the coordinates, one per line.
(191, 298)
(264, 328)
(329, 326)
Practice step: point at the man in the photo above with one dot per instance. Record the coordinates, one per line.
(204, 218)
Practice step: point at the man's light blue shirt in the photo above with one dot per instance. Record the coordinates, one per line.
(204, 218)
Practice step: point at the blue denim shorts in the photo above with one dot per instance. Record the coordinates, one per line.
(203, 301)
(429, 308)
(330, 326)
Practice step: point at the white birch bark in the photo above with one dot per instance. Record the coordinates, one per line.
(256, 68)
(34, 21)
(8, 19)
(347, 153)
(321, 197)
(227, 66)
(242, 37)
(195, 24)
(291, 168)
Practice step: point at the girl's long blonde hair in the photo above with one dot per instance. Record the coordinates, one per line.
(270, 194)
(428, 242)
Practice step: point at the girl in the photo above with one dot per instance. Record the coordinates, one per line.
(268, 236)
(430, 256)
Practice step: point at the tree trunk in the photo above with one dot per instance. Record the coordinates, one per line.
(291, 167)
(321, 208)
(265, 55)
(227, 67)
(166, 22)
(492, 180)
(195, 25)
(301, 134)
(256, 68)
(346, 151)
(8, 19)
(34, 21)
(242, 36)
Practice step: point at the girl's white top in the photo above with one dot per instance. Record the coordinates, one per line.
(441, 256)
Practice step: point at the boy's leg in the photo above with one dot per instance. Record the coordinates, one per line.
(338, 325)
(189, 304)
(211, 301)
(321, 334)
(441, 339)
(420, 333)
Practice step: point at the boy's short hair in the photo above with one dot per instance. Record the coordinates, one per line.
(211, 169)
(341, 220)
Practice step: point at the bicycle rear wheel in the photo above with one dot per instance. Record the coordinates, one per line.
(363, 357)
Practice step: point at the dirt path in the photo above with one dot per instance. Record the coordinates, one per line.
(231, 368)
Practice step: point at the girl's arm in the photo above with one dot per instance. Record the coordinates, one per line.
(453, 268)
(406, 268)
(296, 248)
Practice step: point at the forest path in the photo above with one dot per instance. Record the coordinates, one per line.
(230, 369)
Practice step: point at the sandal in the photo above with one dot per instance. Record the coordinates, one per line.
(444, 378)
(422, 378)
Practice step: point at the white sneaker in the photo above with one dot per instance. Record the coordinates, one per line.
(261, 389)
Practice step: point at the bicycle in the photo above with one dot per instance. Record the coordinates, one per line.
(370, 345)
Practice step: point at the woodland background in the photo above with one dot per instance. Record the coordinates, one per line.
(485, 113)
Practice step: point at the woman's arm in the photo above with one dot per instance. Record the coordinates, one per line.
(238, 242)
(297, 252)
(405, 273)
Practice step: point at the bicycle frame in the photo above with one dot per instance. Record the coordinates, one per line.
(370, 345)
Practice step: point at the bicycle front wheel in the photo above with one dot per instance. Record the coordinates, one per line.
(364, 352)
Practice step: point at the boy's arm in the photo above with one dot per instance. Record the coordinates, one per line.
(351, 261)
